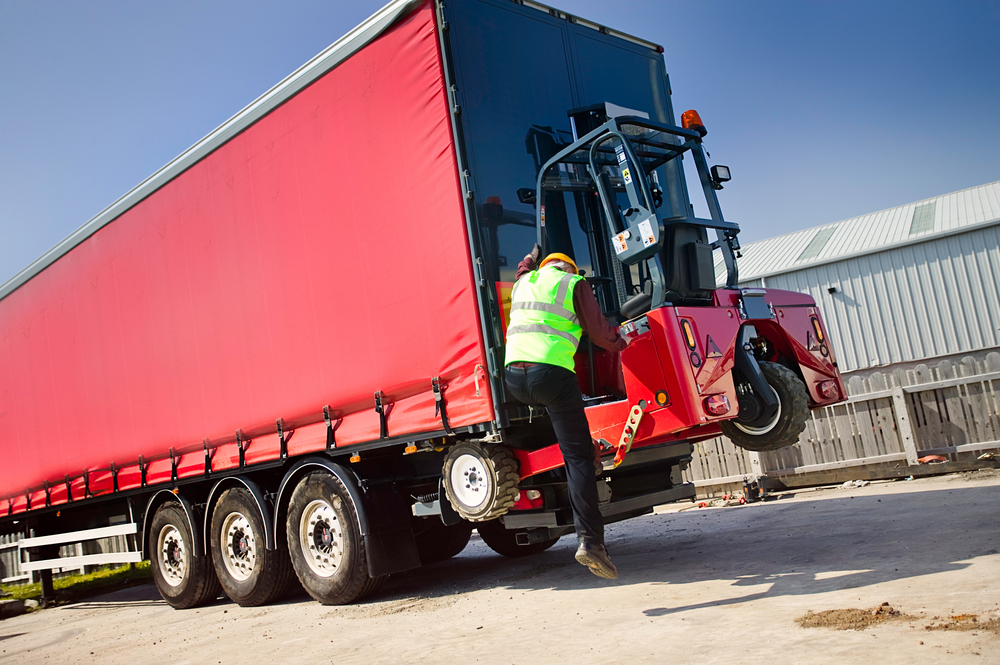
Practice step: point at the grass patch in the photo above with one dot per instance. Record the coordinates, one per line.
(74, 587)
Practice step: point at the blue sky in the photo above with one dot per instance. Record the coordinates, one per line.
(823, 110)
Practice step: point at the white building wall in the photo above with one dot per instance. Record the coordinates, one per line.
(914, 302)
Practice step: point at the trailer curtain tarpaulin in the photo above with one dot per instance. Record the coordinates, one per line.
(315, 258)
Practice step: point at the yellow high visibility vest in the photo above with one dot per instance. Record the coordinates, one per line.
(543, 326)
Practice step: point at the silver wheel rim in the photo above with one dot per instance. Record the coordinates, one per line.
(173, 555)
(321, 538)
(758, 431)
(240, 555)
(470, 482)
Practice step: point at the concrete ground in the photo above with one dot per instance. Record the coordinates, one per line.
(707, 585)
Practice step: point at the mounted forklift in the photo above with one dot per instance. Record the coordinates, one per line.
(748, 363)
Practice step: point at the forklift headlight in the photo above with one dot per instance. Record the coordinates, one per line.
(720, 173)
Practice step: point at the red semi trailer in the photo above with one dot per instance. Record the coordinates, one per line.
(281, 356)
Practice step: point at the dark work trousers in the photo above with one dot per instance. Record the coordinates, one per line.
(557, 390)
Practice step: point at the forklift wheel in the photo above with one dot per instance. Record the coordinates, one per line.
(480, 480)
(784, 427)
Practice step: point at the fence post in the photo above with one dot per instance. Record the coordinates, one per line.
(903, 425)
(756, 465)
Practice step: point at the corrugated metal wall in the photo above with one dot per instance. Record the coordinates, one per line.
(919, 301)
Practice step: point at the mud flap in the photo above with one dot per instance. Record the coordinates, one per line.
(389, 543)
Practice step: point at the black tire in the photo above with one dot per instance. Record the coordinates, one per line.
(250, 574)
(784, 428)
(437, 541)
(480, 480)
(504, 541)
(325, 542)
(183, 579)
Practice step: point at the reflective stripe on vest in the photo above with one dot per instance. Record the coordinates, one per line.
(543, 327)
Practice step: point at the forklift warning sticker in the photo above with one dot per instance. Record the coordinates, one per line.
(627, 176)
(620, 242)
(646, 231)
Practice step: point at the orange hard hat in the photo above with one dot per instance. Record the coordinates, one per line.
(560, 257)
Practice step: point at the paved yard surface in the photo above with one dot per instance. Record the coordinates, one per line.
(765, 583)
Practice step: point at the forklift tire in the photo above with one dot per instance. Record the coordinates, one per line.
(437, 541)
(503, 541)
(784, 427)
(480, 480)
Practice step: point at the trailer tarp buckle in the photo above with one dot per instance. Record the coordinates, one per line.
(439, 407)
(114, 476)
(383, 426)
(208, 458)
(242, 449)
(282, 441)
(143, 470)
(69, 488)
(48, 494)
(331, 441)
(173, 465)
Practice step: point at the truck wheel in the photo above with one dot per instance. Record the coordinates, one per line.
(183, 579)
(480, 480)
(249, 573)
(784, 427)
(325, 541)
(504, 541)
(437, 541)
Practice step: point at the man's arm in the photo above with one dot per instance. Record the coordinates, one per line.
(601, 333)
(527, 264)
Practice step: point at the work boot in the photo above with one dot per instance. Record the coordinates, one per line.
(595, 557)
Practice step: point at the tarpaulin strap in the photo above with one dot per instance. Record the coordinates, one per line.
(239, 445)
(282, 441)
(208, 457)
(173, 465)
(628, 434)
(48, 494)
(69, 488)
(114, 476)
(439, 407)
(331, 442)
(27, 496)
(383, 427)
(143, 468)
(86, 481)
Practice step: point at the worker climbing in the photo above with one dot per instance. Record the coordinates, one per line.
(548, 316)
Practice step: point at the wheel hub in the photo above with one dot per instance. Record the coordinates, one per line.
(321, 538)
(757, 425)
(241, 546)
(173, 555)
(470, 482)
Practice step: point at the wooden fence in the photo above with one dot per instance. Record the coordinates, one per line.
(892, 417)
(10, 563)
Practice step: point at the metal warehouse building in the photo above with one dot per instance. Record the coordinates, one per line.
(911, 299)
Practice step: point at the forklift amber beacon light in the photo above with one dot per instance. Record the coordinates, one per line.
(691, 120)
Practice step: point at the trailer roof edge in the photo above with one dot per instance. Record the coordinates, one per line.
(326, 60)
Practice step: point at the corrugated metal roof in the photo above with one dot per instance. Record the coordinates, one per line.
(878, 231)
